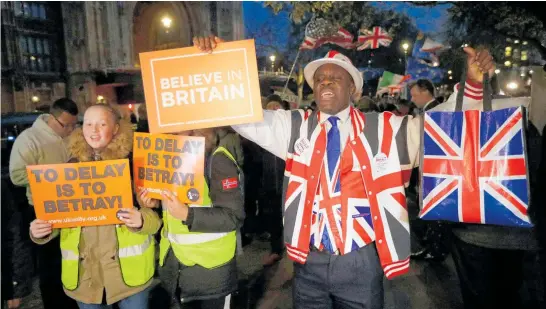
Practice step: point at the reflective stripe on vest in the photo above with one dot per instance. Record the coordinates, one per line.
(70, 240)
(208, 250)
(136, 249)
(68, 255)
(191, 239)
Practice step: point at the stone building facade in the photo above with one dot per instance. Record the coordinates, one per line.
(100, 43)
(103, 41)
(33, 57)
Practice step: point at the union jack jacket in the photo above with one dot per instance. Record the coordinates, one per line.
(378, 143)
(385, 147)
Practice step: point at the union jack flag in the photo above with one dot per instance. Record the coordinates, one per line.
(373, 39)
(474, 167)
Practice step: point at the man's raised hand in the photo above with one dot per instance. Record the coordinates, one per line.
(207, 44)
(478, 62)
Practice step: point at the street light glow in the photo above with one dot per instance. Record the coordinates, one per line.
(272, 58)
(497, 71)
(512, 85)
(449, 72)
(35, 99)
(166, 21)
(405, 46)
(507, 63)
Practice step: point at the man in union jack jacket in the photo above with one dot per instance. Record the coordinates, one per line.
(345, 218)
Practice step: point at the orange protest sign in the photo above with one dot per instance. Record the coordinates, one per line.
(81, 194)
(170, 162)
(186, 89)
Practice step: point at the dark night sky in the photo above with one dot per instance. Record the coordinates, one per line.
(427, 19)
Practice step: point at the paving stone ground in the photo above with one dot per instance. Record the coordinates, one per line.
(427, 286)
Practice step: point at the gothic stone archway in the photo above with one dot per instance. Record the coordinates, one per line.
(149, 34)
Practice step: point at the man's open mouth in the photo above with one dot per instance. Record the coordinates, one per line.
(327, 94)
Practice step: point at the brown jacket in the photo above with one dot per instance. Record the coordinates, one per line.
(99, 268)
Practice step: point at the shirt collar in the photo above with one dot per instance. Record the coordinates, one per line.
(343, 116)
(425, 107)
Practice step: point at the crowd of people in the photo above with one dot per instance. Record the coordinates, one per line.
(292, 178)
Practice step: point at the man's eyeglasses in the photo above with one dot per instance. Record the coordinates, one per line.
(65, 126)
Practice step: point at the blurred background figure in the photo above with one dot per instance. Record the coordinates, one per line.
(274, 102)
(286, 105)
(422, 95)
(364, 104)
(270, 199)
(43, 143)
(403, 108)
(142, 124)
(434, 236)
(252, 168)
(17, 261)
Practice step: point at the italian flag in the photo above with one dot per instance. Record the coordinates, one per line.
(390, 83)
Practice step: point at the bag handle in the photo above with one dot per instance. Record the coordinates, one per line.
(487, 93)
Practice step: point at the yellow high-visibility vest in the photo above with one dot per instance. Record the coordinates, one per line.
(135, 253)
(208, 250)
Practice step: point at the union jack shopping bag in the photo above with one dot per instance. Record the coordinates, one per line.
(474, 165)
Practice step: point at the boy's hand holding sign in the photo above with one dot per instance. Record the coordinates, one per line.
(83, 194)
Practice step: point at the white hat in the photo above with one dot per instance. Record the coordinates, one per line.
(338, 58)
